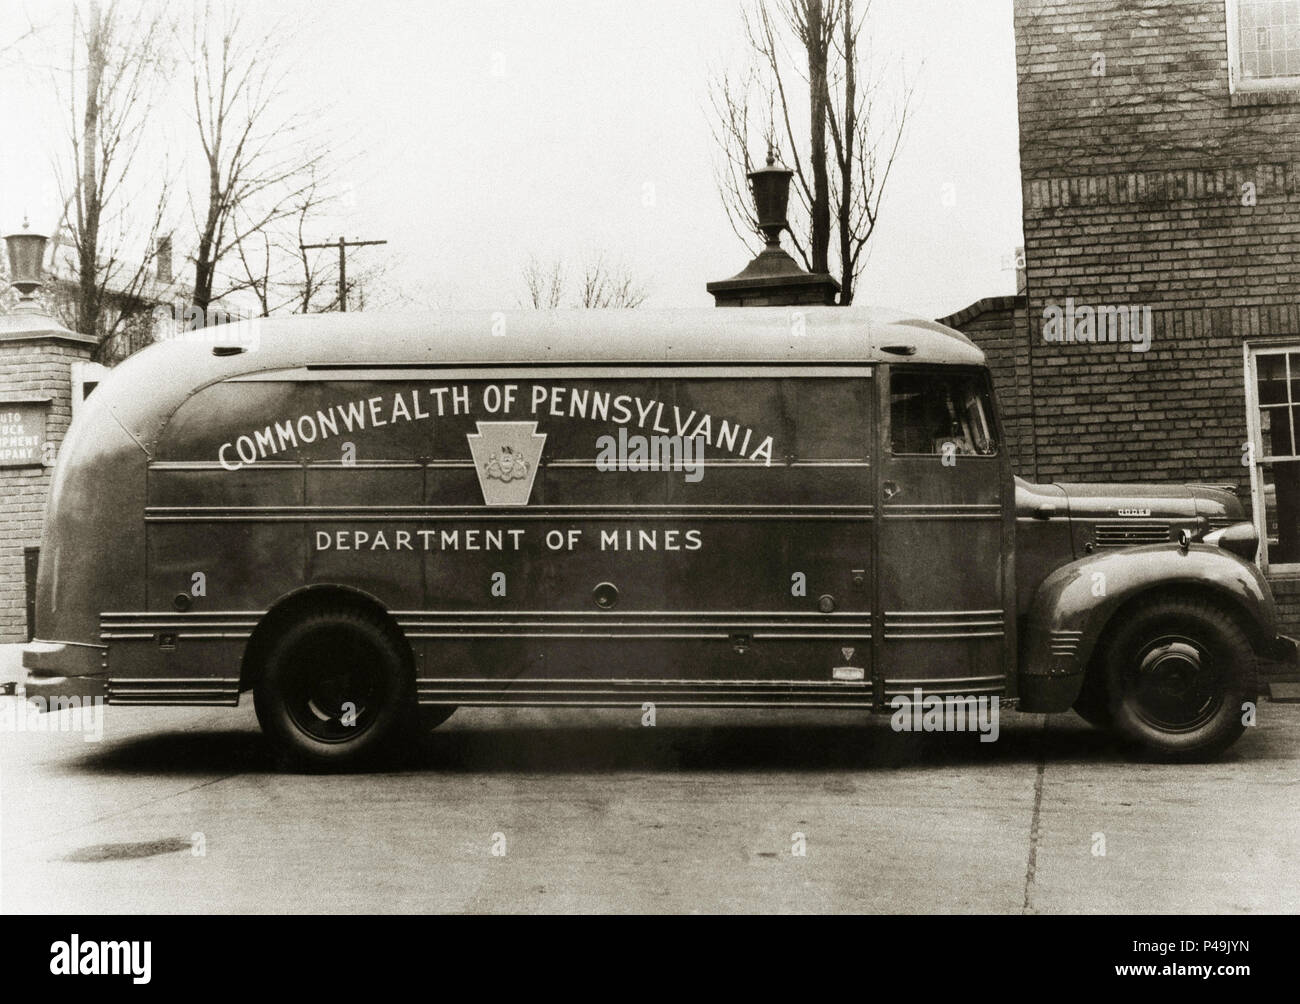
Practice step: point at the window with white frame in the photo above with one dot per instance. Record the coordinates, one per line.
(1273, 418)
(1264, 43)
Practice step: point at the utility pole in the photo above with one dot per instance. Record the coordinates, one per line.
(343, 263)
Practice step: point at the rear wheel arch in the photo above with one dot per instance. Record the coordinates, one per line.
(302, 602)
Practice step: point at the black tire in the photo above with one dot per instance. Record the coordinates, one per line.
(1093, 703)
(336, 690)
(432, 715)
(1178, 674)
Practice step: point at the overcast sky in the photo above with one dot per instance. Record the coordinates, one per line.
(483, 132)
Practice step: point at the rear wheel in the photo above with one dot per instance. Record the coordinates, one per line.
(336, 690)
(1178, 674)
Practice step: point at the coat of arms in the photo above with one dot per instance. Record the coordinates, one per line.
(506, 455)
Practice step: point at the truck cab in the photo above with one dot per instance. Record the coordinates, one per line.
(1143, 606)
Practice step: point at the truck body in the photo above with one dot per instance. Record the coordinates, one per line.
(369, 520)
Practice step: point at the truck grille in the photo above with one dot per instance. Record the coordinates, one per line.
(1131, 534)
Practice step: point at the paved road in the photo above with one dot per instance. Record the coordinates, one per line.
(596, 813)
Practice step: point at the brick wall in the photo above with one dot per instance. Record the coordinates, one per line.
(1147, 183)
(29, 369)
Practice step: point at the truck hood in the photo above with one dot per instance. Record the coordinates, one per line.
(1217, 504)
(1059, 523)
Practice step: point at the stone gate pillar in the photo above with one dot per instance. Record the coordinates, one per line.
(36, 357)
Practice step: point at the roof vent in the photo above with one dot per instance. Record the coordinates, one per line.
(899, 350)
(227, 350)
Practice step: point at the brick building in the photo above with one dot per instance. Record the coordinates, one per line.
(1160, 162)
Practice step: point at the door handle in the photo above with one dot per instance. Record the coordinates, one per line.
(891, 490)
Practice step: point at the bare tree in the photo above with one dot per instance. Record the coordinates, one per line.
(808, 20)
(112, 226)
(543, 284)
(609, 286)
(601, 286)
(9, 48)
(368, 287)
(314, 281)
(277, 270)
(818, 48)
(258, 164)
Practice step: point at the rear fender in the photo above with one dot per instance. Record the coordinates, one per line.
(1073, 606)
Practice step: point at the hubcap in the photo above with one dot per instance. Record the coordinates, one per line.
(335, 688)
(1176, 685)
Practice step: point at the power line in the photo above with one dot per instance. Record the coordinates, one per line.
(342, 263)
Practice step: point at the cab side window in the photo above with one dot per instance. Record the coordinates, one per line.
(932, 408)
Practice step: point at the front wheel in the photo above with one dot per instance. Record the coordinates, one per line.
(1179, 675)
(1092, 704)
(335, 690)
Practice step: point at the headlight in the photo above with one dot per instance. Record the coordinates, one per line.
(1240, 538)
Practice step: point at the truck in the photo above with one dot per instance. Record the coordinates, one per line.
(366, 521)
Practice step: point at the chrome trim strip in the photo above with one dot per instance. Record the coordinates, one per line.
(617, 621)
(215, 465)
(503, 700)
(197, 702)
(155, 621)
(932, 691)
(591, 635)
(172, 690)
(791, 637)
(607, 633)
(249, 618)
(839, 627)
(998, 680)
(706, 462)
(703, 369)
(1064, 642)
(117, 694)
(962, 512)
(903, 625)
(897, 636)
(485, 692)
(183, 681)
(944, 613)
(289, 514)
(959, 623)
(653, 682)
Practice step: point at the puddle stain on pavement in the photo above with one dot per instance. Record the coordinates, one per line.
(120, 852)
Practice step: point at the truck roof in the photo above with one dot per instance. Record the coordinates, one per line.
(144, 390)
(743, 335)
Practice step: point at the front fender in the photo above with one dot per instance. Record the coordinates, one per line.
(1073, 605)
